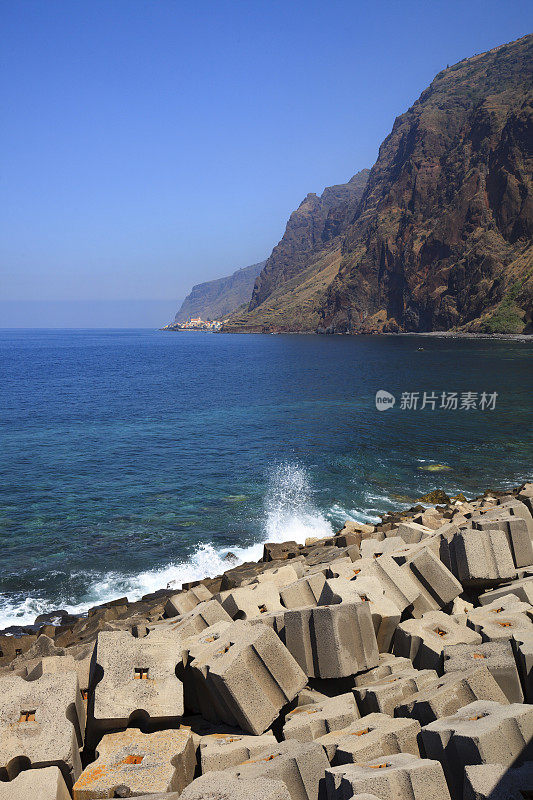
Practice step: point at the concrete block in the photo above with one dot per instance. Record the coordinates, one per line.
(497, 782)
(386, 695)
(138, 676)
(250, 672)
(281, 576)
(481, 732)
(142, 763)
(522, 643)
(38, 784)
(398, 585)
(522, 588)
(332, 641)
(308, 695)
(423, 640)
(412, 532)
(219, 751)
(252, 601)
(481, 558)
(385, 615)
(372, 549)
(306, 723)
(201, 617)
(300, 765)
(453, 691)
(395, 777)
(221, 786)
(373, 736)
(278, 551)
(304, 592)
(389, 664)
(42, 722)
(495, 623)
(517, 533)
(183, 602)
(437, 585)
(497, 657)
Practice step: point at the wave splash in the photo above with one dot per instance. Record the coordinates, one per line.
(289, 515)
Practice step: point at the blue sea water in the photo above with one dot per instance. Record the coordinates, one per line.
(131, 459)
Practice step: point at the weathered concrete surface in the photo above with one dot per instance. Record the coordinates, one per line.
(183, 602)
(138, 676)
(143, 763)
(482, 732)
(304, 592)
(252, 601)
(481, 558)
(306, 723)
(332, 641)
(221, 786)
(401, 777)
(370, 737)
(499, 659)
(219, 751)
(423, 640)
(452, 692)
(387, 694)
(300, 765)
(36, 784)
(497, 782)
(389, 664)
(42, 722)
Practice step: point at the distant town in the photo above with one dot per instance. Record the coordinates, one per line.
(194, 324)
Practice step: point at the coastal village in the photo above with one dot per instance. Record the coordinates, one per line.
(194, 324)
(387, 662)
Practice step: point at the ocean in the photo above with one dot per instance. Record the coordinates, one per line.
(134, 459)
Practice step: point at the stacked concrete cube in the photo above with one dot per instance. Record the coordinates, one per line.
(391, 692)
(332, 641)
(219, 751)
(42, 722)
(182, 603)
(309, 722)
(138, 679)
(304, 592)
(254, 600)
(397, 776)
(423, 640)
(481, 732)
(498, 782)
(373, 736)
(222, 786)
(46, 783)
(140, 763)
(481, 559)
(497, 657)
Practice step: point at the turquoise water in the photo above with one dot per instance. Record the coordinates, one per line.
(133, 459)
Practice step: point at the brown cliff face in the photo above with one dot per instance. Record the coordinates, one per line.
(443, 234)
(314, 226)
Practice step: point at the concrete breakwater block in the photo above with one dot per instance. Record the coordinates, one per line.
(42, 722)
(516, 532)
(522, 643)
(437, 585)
(398, 585)
(423, 640)
(221, 786)
(497, 782)
(401, 776)
(184, 602)
(521, 588)
(219, 751)
(332, 641)
(304, 592)
(501, 619)
(201, 617)
(386, 695)
(372, 736)
(388, 664)
(451, 693)
(481, 559)
(37, 784)
(300, 765)
(250, 672)
(480, 733)
(309, 722)
(138, 763)
(252, 601)
(497, 657)
(138, 675)
(385, 615)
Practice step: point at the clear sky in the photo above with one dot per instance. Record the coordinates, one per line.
(148, 145)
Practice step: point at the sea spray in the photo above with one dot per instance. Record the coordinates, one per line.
(289, 515)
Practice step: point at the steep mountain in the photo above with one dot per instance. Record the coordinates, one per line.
(442, 236)
(217, 299)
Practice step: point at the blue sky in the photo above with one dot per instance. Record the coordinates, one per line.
(148, 145)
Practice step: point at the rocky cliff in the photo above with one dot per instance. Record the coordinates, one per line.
(442, 236)
(217, 299)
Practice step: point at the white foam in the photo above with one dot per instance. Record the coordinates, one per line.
(289, 515)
